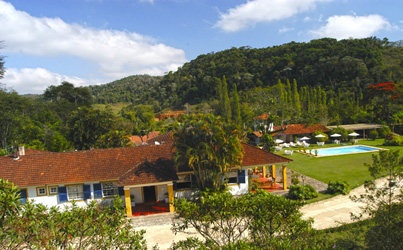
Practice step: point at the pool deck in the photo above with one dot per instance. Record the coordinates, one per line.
(318, 156)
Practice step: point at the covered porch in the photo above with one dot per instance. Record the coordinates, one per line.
(148, 199)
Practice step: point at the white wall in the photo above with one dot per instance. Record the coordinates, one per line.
(138, 198)
(162, 189)
(53, 200)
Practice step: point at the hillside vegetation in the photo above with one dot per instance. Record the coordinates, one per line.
(346, 65)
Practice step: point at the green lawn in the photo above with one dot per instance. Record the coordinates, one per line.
(116, 107)
(349, 168)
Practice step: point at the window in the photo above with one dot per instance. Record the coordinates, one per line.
(232, 177)
(185, 182)
(53, 190)
(23, 195)
(41, 191)
(75, 192)
(109, 189)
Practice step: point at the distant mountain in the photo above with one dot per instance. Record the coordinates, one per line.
(350, 64)
(131, 89)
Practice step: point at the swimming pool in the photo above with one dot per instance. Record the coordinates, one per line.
(346, 150)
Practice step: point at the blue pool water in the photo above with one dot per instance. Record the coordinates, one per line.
(345, 150)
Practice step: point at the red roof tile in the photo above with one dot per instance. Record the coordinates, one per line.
(140, 139)
(131, 166)
(296, 129)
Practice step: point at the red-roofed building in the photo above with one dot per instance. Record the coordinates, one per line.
(139, 140)
(293, 130)
(138, 174)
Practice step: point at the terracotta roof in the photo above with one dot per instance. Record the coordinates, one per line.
(254, 156)
(80, 166)
(296, 129)
(131, 166)
(162, 139)
(262, 117)
(139, 139)
(160, 170)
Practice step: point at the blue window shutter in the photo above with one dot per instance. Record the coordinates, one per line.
(121, 191)
(23, 196)
(63, 194)
(241, 176)
(97, 190)
(87, 192)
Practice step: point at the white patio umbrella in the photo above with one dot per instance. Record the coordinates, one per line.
(304, 138)
(335, 135)
(320, 136)
(354, 134)
(278, 141)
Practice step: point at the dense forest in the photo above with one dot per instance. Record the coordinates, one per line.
(322, 81)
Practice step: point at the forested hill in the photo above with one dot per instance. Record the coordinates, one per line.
(350, 64)
(131, 89)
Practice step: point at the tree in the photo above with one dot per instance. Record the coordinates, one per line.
(65, 98)
(384, 203)
(87, 126)
(235, 107)
(209, 147)
(142, 117)
(34, 226)
(256, 221)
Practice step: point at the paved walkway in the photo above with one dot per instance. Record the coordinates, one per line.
(326, 214)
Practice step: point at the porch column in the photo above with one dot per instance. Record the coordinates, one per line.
(171, 197)
(128, 203)
(285, 177)
(273, 173)
(264, 171)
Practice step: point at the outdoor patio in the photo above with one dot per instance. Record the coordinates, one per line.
(150, 208)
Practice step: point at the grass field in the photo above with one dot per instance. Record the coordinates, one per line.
(116, 107)
(349, 168)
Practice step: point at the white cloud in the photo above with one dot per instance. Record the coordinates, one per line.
(256, 11)
(147, 1)
(285, 29)
(116, 53)
(36, 80)
(343, 27)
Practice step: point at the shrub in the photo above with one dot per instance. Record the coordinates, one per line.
(295, 178)
(384, 131)
(395, 141)
(299, 192)
(337, 187)
(373, 135)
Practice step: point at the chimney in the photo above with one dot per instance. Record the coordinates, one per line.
(21, 150)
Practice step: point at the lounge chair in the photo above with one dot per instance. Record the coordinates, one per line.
(289, 152)
(306, 145)
(286, 145)
(299, 143)
(293, 144)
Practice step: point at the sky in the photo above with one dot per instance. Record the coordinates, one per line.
(91, 42)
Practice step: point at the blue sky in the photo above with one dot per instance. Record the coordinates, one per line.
(88, 42)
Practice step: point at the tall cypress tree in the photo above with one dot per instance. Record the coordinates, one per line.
(295, 98)
(235, 107)
(226, 103)
(220, 110)
(289, 92)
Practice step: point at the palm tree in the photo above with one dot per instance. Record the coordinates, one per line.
(209, 147)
